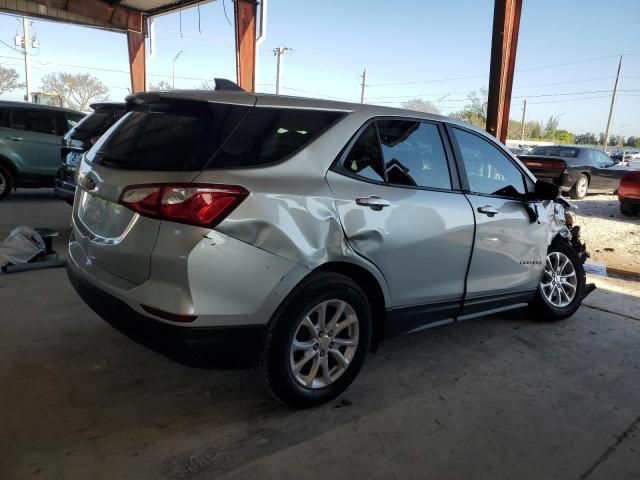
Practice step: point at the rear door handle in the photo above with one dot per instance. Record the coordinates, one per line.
(16, 139)
(488, 210)
(373, 202)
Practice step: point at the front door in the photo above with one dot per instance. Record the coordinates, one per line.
(398, 210)
(510, 244)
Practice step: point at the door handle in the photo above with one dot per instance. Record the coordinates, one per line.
(16, 139)
(373, 202)
(488, 210)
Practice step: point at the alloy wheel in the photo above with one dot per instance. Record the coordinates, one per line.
(559, 282)
(324, 344)
(581, 188)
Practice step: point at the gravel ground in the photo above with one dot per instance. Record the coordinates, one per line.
(611, 237)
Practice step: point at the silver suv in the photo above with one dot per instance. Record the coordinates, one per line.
(301, 232)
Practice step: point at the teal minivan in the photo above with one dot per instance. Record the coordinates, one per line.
(30, 137)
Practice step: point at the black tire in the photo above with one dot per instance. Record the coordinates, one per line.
(542, 308)
(576, 192)
(6, 181)
(629, 209)
(272, 366)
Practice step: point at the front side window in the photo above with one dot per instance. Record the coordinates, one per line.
(40, 121)
(602, 159)
(364, 159)
(413, 154)
(489, 171)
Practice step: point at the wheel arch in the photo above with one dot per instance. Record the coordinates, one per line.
(9, 165)
(371, 287)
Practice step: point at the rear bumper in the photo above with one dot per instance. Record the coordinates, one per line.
(207, 347)
(565, 181)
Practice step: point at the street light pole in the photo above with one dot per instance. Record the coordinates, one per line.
(173, 71)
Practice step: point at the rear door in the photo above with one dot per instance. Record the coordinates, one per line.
(400, 209)
(157, 142)
(510, 247)
(35, 135)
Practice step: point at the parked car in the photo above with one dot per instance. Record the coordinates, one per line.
(629, 193)
(30, 137)
(575, 169)
(80, 139)
(299, 232)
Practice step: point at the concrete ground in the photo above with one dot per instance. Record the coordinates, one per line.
(500, 397)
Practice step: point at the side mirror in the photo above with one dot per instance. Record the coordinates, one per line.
(544, 191)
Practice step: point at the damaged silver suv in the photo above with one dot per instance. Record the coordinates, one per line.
(298, 233)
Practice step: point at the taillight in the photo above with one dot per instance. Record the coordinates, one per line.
(192, 203)
(552, 164)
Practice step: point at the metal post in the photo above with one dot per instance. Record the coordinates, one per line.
(524, 115)
(245, 26)
(613, 102)
(364, 84)
(506, 26)
(26, 41)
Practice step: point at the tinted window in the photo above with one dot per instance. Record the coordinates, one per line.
(269, 135)
(176, 136)
(73, 119)
(41, 121)
(554, 151)
(413, 154)
(364, 159)
(489, 171)
(94, 125)
(4, 117)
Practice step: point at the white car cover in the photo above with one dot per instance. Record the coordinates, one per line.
(22, 244)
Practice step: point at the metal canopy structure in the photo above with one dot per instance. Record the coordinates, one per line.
(130, 17)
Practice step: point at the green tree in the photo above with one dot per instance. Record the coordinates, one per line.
(563, 136)
(420, 105)
(586, 139)
(633, 142)
(161, 85)
(475, 111)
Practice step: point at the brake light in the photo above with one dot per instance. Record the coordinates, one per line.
(552, 164)
(192, 203)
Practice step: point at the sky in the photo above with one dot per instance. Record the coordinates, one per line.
(567, 57)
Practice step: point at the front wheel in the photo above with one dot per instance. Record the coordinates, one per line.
(561, 287)
(316, 342)
(6, 182)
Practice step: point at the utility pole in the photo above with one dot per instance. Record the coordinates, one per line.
(363, 85)
(279, 52)
(173, 70)
(26, 42)
(524, 114)
(613, 102)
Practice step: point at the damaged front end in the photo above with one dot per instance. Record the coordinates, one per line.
(562, 227)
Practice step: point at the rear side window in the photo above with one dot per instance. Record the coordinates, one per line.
(413, 154)
(269, 135)
(169, 137)
(365, 159)
(553, 151)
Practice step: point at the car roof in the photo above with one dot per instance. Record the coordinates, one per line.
(287, 101)
(108, 106)
(8, 103)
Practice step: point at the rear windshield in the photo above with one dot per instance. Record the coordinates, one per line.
(170, 137)
(269, 135)
(556, 151)
(189, 136)
(94, 125)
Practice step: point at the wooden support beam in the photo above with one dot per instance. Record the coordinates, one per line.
(137, 64)
(245, 22)
(506, 25)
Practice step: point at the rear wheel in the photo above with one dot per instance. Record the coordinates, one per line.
(579, 189)
(316, 342)
(627, 208)
(6, 182)
(561, 287)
